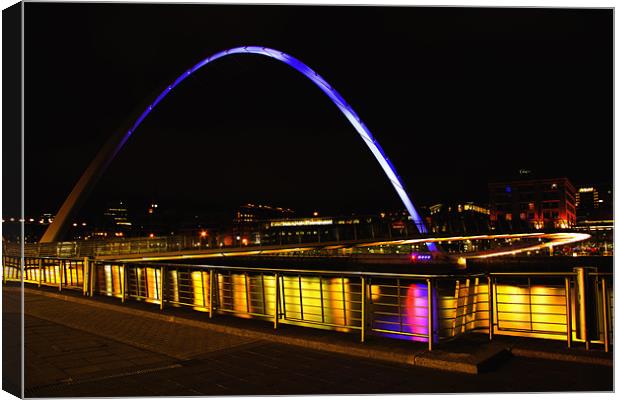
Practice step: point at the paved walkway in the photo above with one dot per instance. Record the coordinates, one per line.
(74, 349)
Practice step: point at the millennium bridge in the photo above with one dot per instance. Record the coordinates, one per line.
(429, 289)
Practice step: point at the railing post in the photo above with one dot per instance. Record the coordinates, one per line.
(569, 320)
(363, 303)
(490, 300)
(211, 295)
(162, 271)
(123, 283)
(277, 305)
(605, 315)
(429, 285)
(583, 315)
(40, 272)
(85, 276)
(61, 269)
(92, 275)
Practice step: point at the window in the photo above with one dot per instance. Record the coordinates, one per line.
(552, 204)
(551, 196)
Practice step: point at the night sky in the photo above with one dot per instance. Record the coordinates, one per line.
(456, 97)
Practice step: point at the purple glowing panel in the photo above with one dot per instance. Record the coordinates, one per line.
(351, 115)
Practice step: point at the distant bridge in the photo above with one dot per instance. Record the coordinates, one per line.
(172, 248)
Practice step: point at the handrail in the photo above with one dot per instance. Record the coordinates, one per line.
(301, 271)
(534, 273)
(419, 306)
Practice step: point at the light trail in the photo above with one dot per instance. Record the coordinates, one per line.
(550, 240)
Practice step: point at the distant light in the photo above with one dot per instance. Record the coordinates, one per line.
(316, 213)
(74, 224)
(508, 189)
(238, 237)
(12, 219)
(31, 220)
(203, 234)
(83, 223)
(151, 235)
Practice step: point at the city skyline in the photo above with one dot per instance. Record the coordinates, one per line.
(454, 106)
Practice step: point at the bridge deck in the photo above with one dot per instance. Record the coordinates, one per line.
(80, 349)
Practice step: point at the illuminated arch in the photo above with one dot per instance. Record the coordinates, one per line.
(105, 157)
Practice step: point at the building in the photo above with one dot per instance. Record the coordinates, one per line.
(315, 228)
(532, 204)
(459, 218)
(247, 222)
(115, 222)
(594, 202)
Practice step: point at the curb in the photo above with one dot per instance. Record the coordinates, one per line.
(548, 355)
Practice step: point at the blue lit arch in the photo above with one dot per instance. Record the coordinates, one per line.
(344, 107)
(99, 164)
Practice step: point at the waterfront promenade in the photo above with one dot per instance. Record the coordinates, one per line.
(83, 347)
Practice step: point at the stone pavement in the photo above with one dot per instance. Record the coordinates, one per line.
(75, 349)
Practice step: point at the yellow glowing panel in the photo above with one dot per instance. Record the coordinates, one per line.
(200, 290)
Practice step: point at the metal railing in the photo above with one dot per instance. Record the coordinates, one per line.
(417, 307)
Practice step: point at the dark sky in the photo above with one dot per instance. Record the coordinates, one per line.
(455, 96)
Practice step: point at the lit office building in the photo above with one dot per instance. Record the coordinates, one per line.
(115, 222)
(532, 204)
(595, 217)
(335, 229)
(247, 221)
(594, 202)
(462, 218)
